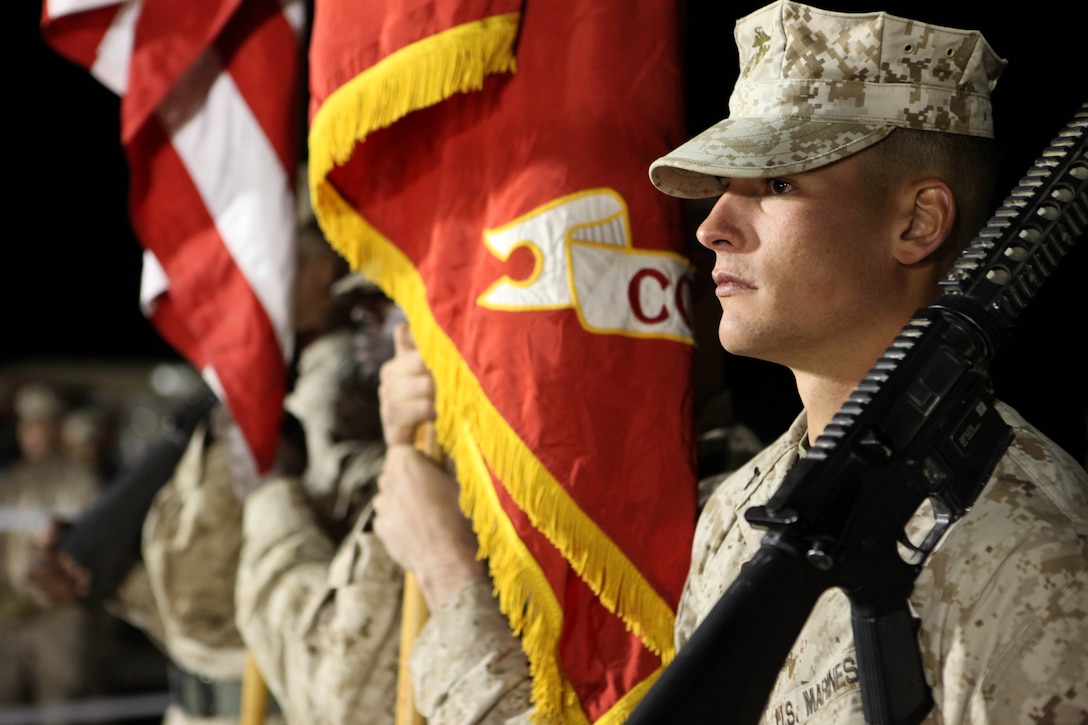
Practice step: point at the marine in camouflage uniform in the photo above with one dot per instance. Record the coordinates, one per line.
(221, 577)
(235, 562)
(319, 600)
(216, 571)
(45, 651)
(1002, 597)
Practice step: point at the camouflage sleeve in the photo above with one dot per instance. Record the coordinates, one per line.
(134, 603)
(467, 665)
(1003, 598)
(190, 550)
(1043, 676)
(322, 623)
(1016, 652)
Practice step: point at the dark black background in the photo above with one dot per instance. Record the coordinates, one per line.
(71, 264)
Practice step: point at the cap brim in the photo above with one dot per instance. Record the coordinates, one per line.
(758, 148)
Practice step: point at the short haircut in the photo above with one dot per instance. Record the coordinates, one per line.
(969, 164)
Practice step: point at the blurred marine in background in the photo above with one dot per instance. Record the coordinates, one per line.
(45, 652)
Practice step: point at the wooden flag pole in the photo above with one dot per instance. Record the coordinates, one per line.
(254, 694)
(414, 612)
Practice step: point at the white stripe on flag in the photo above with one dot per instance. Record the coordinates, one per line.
(295, 12)
(115, 51)
(153, 282)
(60, 8)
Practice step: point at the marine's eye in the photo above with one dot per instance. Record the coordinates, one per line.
(779, 186)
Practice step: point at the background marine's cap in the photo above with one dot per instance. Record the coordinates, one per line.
(37, 401)
(816, 86)
(82, 426)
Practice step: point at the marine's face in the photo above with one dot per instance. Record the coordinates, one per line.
(804, 269)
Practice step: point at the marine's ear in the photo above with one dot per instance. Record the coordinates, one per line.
(931, 216)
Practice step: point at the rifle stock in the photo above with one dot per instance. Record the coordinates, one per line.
(921, 425)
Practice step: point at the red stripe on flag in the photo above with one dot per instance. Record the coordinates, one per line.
(77, 37)
(173, 327)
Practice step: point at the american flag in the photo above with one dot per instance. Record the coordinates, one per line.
(210, 96)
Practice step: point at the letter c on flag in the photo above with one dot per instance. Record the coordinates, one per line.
(634, 298)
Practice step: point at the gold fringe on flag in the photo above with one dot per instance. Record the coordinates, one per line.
(417, 76)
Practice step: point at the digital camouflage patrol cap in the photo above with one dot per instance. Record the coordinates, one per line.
(816, 86)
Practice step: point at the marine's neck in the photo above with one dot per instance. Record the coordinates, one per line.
(822, 398)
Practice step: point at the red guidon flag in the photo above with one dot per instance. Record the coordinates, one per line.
(486, 164)
(210, 92)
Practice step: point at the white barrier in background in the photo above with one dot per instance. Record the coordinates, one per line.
(128, 707)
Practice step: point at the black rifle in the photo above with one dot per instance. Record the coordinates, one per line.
(105, 539)
(922, 425)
